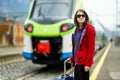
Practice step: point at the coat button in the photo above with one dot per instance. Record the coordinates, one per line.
(79, 59)
(80, 48)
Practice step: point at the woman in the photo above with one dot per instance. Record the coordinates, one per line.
(83, 41)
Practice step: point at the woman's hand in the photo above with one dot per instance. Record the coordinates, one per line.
(69, 61)
(87, 68)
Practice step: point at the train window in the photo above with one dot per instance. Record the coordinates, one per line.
(52, 9)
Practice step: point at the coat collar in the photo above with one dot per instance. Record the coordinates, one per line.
(83, 33)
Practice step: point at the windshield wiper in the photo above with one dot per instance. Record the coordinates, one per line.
(41, 14)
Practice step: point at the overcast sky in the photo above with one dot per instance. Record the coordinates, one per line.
(104, 10)
(101, 6)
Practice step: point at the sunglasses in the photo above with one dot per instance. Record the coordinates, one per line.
(78, 16)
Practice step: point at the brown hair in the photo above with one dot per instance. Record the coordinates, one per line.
(75, 18)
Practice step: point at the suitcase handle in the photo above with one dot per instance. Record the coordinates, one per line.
(65, 68)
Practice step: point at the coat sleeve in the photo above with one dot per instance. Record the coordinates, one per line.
(91, 37)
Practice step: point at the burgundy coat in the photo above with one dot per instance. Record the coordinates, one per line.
(86, 49)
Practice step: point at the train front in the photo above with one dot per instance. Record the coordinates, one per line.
(48, 30)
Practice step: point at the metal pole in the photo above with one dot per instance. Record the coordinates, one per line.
(116, 35)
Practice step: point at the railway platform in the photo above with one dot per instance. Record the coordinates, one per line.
(108, 65)
(10, 51)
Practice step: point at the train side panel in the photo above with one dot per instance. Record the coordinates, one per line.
(67, 46)
(28, 50)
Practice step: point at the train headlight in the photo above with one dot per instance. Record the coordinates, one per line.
(66, 27)
(29, 27)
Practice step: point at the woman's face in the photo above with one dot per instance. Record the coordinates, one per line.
(80, 17)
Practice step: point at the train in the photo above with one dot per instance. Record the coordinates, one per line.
(102, 37)
(48, 29)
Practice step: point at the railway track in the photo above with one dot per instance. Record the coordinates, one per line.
(15, 66)
(10, 59)
(45, 73)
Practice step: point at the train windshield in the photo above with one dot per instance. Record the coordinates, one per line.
(52, 9)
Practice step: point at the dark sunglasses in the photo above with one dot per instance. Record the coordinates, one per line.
(78, 16)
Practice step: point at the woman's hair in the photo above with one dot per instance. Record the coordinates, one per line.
(75, 18)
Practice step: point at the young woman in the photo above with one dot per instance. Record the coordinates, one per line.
(83, 41)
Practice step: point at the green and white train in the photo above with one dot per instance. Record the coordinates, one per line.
(48, 29)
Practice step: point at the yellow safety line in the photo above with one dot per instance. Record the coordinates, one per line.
(99, 65)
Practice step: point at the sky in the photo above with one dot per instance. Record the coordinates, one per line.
(14, 9)
(104, 10)
(7, 6)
